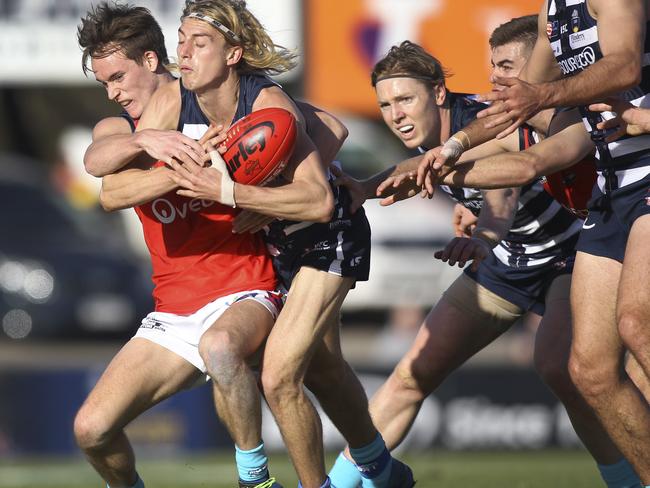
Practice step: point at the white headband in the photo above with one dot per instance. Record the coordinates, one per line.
(217, 25)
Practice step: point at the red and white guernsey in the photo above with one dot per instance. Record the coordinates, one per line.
(195, 256)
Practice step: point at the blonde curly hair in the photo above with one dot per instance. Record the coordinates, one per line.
(241, 28)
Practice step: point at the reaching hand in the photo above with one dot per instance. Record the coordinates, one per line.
(398, 187)
(629, 120)
(355, 187)
(249, 221)
(165, 145)
(430, 167)
(463, 221)
(462, 249)
(516, 103)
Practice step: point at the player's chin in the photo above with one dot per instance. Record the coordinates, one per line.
(411, 142)
(134, 111)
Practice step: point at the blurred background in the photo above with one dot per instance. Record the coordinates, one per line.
(74, 280)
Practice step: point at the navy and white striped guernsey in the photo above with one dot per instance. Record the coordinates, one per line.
(193, 122)
(573, 34)
(542, 230)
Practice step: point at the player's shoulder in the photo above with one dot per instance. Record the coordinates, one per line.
(163, 109)
(464, 108)
(275, 96)
(111, 126)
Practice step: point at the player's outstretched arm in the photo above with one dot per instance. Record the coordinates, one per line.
(554, 153)
(621, 34)
(494, 222)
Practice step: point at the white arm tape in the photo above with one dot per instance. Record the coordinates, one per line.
(227, 184)
(452, 149)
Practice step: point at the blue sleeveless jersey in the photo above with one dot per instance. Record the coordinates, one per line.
(542, 230)
(193, 122)
(341, 246)
(573, 34)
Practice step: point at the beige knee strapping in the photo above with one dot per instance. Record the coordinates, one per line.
(467, 295)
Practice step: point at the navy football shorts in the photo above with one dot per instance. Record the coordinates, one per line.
(340, 247)
(525, 287)
(611, 215)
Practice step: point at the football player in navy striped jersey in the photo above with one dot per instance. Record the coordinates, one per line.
(452, 332)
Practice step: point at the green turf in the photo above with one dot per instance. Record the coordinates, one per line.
(547, 469)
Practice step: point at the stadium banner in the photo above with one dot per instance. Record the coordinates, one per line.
(38, 38)
(476, 408)
(344, 38)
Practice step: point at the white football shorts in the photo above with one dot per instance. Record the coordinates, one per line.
(181, 333)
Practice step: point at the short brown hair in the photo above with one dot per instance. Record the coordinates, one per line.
(411, 61)
(109, 28)
(519, 29)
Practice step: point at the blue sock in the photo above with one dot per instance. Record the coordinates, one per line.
(326, 484)
(252, 465)
(138, 484)
(374, 462)
(344, 473)
(619, 475)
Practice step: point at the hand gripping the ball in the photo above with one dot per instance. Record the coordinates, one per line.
(227, 196)
(213, 183)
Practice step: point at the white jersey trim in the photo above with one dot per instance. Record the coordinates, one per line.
(625, 177)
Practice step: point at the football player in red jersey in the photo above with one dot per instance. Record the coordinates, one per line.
(201, 322)
(195, 327)
(223, 79)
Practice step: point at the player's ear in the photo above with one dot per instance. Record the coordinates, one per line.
(440, 94)
(151, 61)
(234, 55)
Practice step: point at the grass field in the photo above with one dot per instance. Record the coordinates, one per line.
(547, 469)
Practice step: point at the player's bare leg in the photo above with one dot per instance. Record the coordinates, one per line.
(448, 337)
(139, 376)
(552, 348)
(224, 348)
(596, 362)
(638, 376)
(331, 379)
(312, 305)
(633, 306)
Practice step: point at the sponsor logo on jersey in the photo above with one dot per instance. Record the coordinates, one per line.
(166, 212)
(552, 29)
(575, 21)
(578, 62)
(340, 224)
(557, 48)
(583, 38)
(326, 244)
